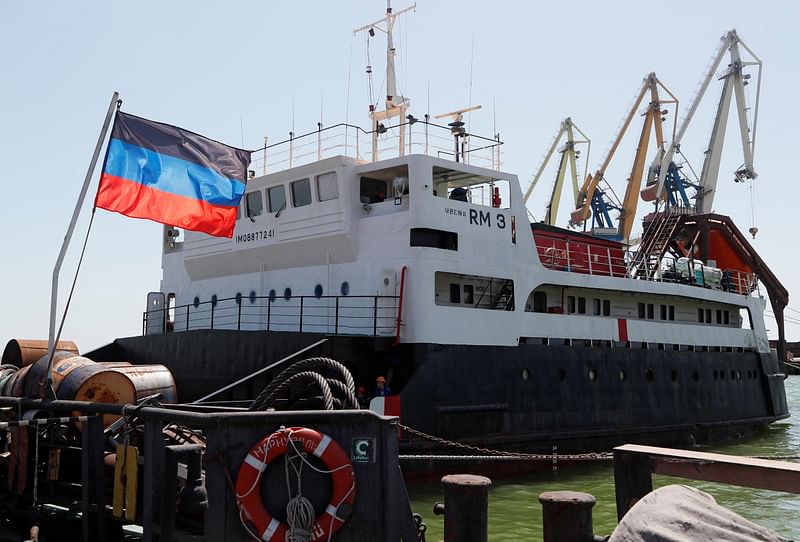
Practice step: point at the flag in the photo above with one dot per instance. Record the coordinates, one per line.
(170, 175)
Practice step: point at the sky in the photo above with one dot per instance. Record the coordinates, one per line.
(237, 71)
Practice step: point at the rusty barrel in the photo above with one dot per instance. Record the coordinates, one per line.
(150, 379)
(22, 352)
(81, 379)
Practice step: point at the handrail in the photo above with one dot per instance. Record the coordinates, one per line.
(362, 315)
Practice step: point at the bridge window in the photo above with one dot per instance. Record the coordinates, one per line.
(663, 312)
(327, 189)
(606, 307)
(254, 204)
(571, 304)
(640, 306)
(581, 305)
(650, 311)
(672, 312)
(277, 198)
(596, 307)
(700, 316)
(372, 190)
(301, 193)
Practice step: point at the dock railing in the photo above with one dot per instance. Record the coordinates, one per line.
(634, 466)
(374, 315)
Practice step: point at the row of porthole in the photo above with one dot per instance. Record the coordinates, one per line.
(273, 295)
(650, 375)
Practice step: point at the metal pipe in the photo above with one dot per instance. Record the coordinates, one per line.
(60, 260)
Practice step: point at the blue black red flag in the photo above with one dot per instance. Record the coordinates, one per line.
(170, 175)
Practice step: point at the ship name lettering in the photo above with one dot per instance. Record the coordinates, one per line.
(456, 212)
(480, 218)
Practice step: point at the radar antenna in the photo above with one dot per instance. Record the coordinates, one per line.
(460, 135)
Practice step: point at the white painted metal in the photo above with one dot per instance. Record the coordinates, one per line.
(52, 339)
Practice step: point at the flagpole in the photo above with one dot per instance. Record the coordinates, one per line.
(51, 344)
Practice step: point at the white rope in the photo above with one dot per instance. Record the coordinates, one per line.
(299, 511)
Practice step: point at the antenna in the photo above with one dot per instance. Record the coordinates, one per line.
(457, 129)
(396, 106)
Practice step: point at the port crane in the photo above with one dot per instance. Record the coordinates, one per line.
(569, 158)
(662, 186)
(593, 201)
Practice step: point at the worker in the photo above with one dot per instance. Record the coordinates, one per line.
(361, 396)
(381, 389)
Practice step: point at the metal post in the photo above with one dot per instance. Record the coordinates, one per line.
(375, 316)
(319, 141)
(187, 317)
(567, 516)
(466, 505)
(269, 311)
(301, 312)
(154, 454)
(239, 315)
(92, 482)
(51, 343)
(212, 315)
(265, 154)
(336, 321)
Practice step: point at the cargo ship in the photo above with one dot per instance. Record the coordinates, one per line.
(414, 260)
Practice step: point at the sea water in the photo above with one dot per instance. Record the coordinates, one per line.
(515, 513)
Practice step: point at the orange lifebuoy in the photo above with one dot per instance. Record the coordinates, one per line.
(248, 494)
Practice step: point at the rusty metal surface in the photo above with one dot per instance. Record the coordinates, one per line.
(567, 516)
(633, 481)
(150, 379)
(23, 352)
(466, 508)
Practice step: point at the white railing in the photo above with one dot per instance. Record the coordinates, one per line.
(421, 137)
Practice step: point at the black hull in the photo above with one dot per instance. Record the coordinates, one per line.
(532, 397)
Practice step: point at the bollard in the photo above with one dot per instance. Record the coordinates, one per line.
(567, 516)
(466, 503)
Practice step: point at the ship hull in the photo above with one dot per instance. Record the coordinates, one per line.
(530, 397)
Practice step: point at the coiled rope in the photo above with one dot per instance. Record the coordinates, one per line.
(295, 384)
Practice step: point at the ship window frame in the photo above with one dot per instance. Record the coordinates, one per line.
(331, 186)
(651, 312)
(671, 315)
(301, 192)
(570, 304)
(708, 316)
(455, 292)
(469, 294)
(274, 208)
(726, 317)
(701, 315)
(719, 316)
(606, 307)
(663, 311)
(581, 305)
(640, 310)
(249, 207)
(596, 306)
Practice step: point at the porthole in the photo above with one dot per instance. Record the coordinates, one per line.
(562, 374)
(287, 294)
(592, 374)
(526, 375)
(648, 374)
(272, 295)
(695, 376)
(738, 375)
(318, 291)
(252, 297)
(345, 289)
(214, 300)
(196, 302)
(238, 298)
(622, 375)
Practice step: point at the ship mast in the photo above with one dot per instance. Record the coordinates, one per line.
(396, 106)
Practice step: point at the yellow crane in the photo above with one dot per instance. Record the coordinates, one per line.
(569, 157)
(592, 201)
